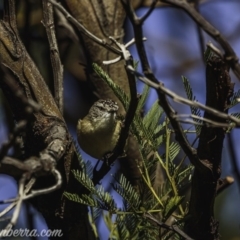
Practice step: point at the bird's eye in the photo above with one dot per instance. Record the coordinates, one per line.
(101, 108)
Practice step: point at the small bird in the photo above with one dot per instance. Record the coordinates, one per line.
(99, 130)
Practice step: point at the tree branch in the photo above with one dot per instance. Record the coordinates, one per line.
(177, 98)
(82, 29)
(201, 223)
(138, 35)
(230, 55)
(173, 228)
(48, 22)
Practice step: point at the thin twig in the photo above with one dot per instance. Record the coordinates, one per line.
(48, 22)
(230, 55)
(23, 191)
(83, 30)
(206, 122)
(138, 35)
(29, 107)
(50, 189)
(216, 50)
(12, 138)
(147, 14)
(17, 209)
(211, 124)
(33, 193)
(173, 228)
(8, 208)
(63, 23)
(119, 58)
(179, 99)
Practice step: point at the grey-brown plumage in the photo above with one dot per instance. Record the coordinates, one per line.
(98, 132)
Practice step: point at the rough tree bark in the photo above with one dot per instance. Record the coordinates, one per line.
(47, 138)
(201, 223)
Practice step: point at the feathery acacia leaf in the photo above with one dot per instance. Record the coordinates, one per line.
(84, 199)
(151, 119)
(184, 175)
(138, 126)
(174, 149)
(194, 110)
(84, 179)
(237, 115)
(105, 200)
(208, 54)
(125, 189)
(150, 135)
(79, 156)
(95, 213)
(234, 100)
(122, 96)
(171, 206)
(143, 98)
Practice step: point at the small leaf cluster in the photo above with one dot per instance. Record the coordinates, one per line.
(163, 173)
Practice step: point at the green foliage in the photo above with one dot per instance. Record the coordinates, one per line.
(151, 119)
(84, 179)
(233, 125)
(97, 196)
(93, 215)
(171, 206)
(174, 149)
(234, 99)
(194, 110)
(143, 99)
(155, 196)
(116, 89)
(208, 54)
(128, 193)
(125, 227)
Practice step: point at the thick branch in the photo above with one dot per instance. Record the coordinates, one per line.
(201, 223)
